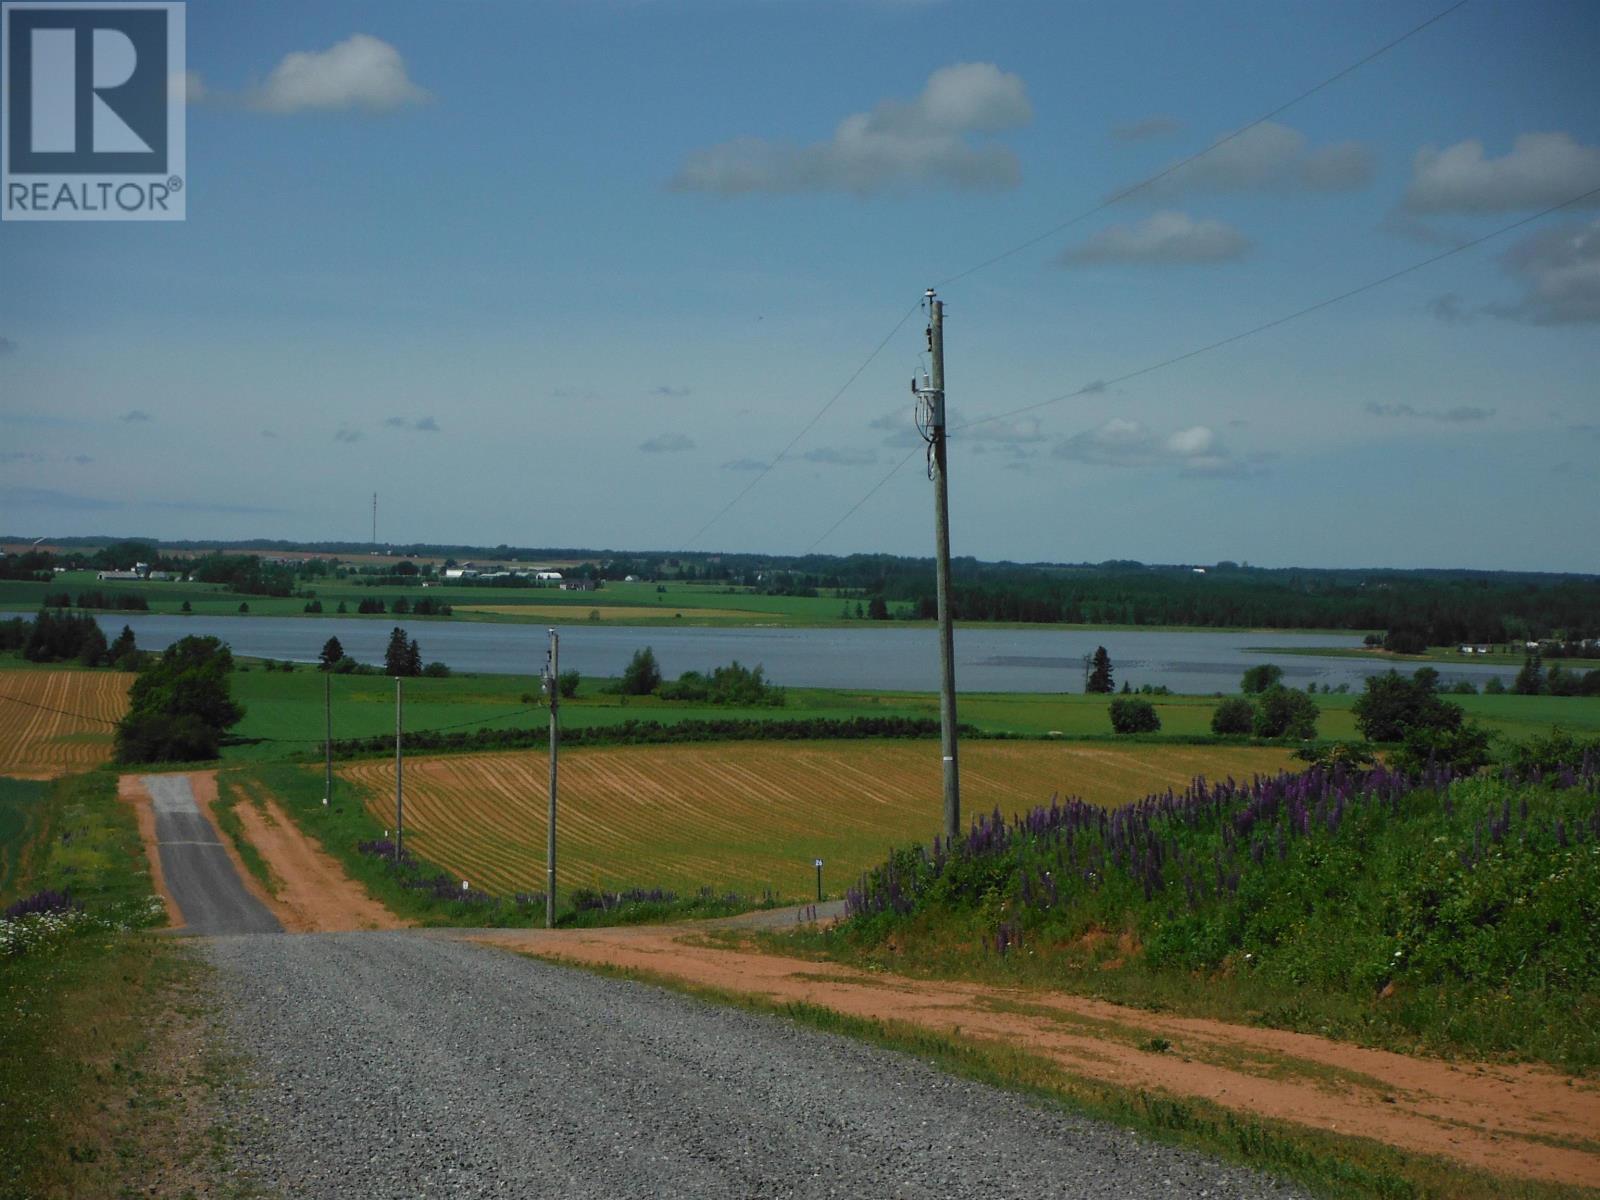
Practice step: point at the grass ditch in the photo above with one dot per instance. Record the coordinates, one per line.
(107, 1066)
(226, 812)
(1452, 918)
(1328, 1164)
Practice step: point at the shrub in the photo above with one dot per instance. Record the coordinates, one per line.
(1392, 706)
(1133, 715)
(1284, 712)
(568, 683)
(436, 670)
(642, 674)
(1258, 679)
(1233, 715)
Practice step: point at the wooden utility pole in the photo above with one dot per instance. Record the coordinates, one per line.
(327, 735)
(399, 790)
(938, 470)
(552, 683)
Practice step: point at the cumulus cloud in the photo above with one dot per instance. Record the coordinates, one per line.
(7, 346)
(744, 464)
(1559, 270)
(1162, 238)
(1541, 169)
(841, 457)
(1459, 415)
(1147, 130)
(1270, 158)
(135, 416)
(394, 422)
(362, 72)
(898, 144)
(347, 435)
(1007, 431)
(667, 443)
(1123, 442)
(426, 425)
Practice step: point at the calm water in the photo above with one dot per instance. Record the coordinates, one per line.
(872, 656)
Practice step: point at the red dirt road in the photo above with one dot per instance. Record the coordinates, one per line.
(1501, 1118)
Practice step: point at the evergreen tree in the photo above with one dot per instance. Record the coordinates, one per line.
(397, 655)
(1530, 680)
(1099, 680)
(332, 652)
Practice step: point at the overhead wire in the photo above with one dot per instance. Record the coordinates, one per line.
(1114, 198)
(1122, 194)
(1100, 385)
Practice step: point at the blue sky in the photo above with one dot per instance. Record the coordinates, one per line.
(571, 273)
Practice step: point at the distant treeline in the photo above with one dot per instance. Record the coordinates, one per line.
(1440, 606)
(633, 732)
(111, 601)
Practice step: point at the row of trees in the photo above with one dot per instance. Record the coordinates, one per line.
(59, 636)
(734, 684)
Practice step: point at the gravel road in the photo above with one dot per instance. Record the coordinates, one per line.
(407, 1064)
(198, 871)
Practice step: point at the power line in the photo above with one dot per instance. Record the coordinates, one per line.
(1117, 197)
(1051, 232)
(809, 425)
(1100, 385)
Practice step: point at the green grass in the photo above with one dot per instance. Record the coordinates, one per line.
(86, 1108)
(288, 706)
(225, 810)
(1410, 928)
(22, 814)
(1327, 1164)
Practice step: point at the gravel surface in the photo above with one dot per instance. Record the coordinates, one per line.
(406, 1064)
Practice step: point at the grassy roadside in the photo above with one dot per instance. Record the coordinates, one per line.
(107, 1064)
(225, 810)
(1327, 1164)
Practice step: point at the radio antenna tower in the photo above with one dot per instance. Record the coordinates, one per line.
(374, 518)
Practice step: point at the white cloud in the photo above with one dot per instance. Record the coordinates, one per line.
(347, 435)
(361, 72)
(1269, 158)
(1124, 442)
(1162, 238)
(1560, 270)
(135, 416)
(667, 443)
(897, 144)
(1540, 170)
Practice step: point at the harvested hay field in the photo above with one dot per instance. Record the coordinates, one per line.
(38, 738)
(745, 816)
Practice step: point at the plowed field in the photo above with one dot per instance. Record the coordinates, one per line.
(745, 816)
(38, 737)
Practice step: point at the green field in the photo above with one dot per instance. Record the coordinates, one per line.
(284, 710)
(698, 604)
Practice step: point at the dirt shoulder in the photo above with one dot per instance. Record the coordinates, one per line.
(312, 894)
(132, 791)
(1522, 1121)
